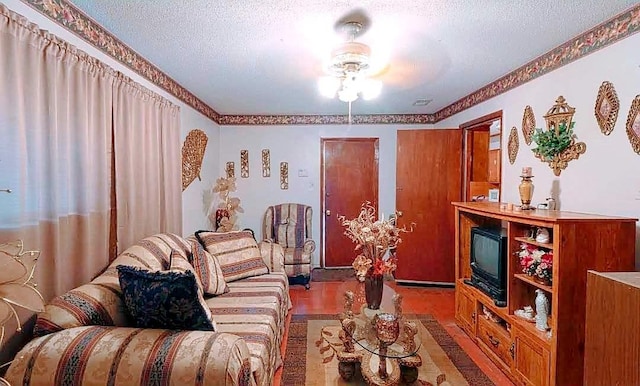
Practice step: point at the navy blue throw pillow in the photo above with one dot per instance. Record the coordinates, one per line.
(164, 299)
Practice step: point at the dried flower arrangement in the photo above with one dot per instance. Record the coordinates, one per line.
(226, 216)
(373, 238)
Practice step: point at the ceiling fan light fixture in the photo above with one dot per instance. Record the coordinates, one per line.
(328, 86)
(348, 68)
(347, 95)
(371, 89)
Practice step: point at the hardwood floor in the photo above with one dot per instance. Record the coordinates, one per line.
(438, 302)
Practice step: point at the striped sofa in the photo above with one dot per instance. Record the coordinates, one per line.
(84, 337)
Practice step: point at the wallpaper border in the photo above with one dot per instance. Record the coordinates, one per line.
(72, 18)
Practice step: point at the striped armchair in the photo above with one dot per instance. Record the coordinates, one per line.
(290, 226)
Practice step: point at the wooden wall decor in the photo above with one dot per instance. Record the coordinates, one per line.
(284, 175)
(633, 124)
(230, 169)
(193, 150)
(607, 107)
(528, 124)
(244, 163)
(266, 163)
(558, 118)
(513, 145)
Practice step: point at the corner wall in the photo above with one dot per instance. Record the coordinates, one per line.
(605, 179)
(300, 147)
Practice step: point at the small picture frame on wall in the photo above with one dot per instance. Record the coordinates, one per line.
(244, 163)
(494, 195)
(266, 163)
(284, 175)
(230, 169)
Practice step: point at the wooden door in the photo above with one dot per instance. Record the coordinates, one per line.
(349, 178)
(428, 179)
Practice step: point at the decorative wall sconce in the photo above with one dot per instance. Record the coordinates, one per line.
(528, 124)
(513, 145)
(557, 144)
(607, 107)
(266, 163)
(244, 163)
(633, 124)
(230, 169)
(193, 150)
(284, 175)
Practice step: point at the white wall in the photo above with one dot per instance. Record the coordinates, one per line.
(300, 147)
(193, 215)
(605, 179)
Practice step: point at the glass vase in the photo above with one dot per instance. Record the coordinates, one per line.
(373, 286)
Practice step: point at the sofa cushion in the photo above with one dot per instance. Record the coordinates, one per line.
(89, 304)
(237, 252)
(164, 299)
(97, 355)
(255, 309)
(207, 269)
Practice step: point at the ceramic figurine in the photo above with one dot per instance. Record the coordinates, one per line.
(542, 310)
(543, 235)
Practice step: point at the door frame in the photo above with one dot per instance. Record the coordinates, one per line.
(467, 127)
(376, 142)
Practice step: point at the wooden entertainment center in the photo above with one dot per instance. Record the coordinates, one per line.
(579, 242)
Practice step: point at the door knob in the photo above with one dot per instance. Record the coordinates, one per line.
(327, 212)
(399, 213)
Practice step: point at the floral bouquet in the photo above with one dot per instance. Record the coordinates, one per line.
(536, 262)
(225, 216)
(373, 238)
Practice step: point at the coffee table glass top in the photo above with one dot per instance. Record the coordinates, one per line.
(362, 324)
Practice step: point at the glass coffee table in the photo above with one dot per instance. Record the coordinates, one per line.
(383, 341)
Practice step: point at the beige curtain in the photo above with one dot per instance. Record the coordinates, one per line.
(55, 153)
(148, 163)
(91, 157)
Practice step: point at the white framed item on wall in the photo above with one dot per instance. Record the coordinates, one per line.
(494, 195)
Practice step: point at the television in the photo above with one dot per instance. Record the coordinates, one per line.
(489, 262)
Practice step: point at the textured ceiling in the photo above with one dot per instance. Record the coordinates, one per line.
(264, 57)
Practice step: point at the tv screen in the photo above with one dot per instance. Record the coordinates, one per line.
(486, 253)
(489, 262)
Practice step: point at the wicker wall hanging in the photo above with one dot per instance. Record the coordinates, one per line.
(284, 175)
(607, 107)
(557, 144)
(633, 124)
(230, 169)
(244, 163)
(193, 150)
(528, 124)
(513, 145)
(266, 163)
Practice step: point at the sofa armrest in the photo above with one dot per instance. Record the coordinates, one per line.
(104, 355)
(309, 246)
(272, 255)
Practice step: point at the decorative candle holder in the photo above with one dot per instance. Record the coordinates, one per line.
(526, 189)
(387, 330)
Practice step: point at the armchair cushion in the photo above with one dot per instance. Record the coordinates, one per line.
(164, 299)
(237, 252)
(290, 234)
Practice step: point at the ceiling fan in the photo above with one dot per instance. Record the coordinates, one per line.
(349, 69)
